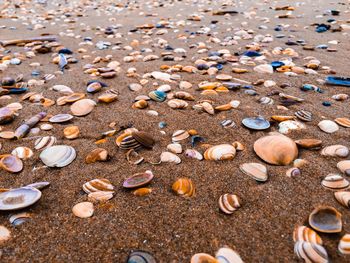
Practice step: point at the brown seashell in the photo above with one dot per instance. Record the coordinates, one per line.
(256, 170)
(143, 138)
(228, 203)
(224, 107)
(184, 187)
(220, 152)
(335, 151)
(142, 191)
(281, 118)
(183, 95)
(177, 104)
(82, 107)
(345, 122)
(335, 182)
(100, 196)
(306, 234)
(325, 219)
(309, 143)
(203, 258)
(340, 97)
(311, 252)
(95, 155)
(344, 244)
(140, 104)
(11, 163)
(71, 132)
(83, 209)
(344, 167)
(238, 146)
(97, 185)
(343, 198)
(276, 149)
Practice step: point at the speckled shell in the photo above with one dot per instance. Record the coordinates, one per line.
(328, 126)
(227, 255)
(95, 155)
(344, 244)
(19, 198)
(228, 203)
(11, 163)
(335, 151)
(303, 233)
(311, 252)
(177, 104)
(203, 258)
(256, 170)
(184, 187)
(58, 155)
(97, 185)
(22, 152)
(180, 135)
(343, 198)
(220, 152)
(325, 219)
(82, 107)
(168, 157)
(138, 179)
(44, 142)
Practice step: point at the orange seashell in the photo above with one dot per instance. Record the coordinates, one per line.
(184, 187)
(303, 233)
(192, 132)
(101, 141)
(224, 107)
(281, 118)
(203, 258)
(142, 191)
(228, 203)
(71, 132)
(209, 93)
(222, 89)
(95, 155)
(140, 104)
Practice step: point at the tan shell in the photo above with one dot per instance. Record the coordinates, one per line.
(83, 209)
(220, 152)
(228, 203)
(44, 142)
(335, 151)
(344, 167)
(177, 104)
(95, 155)
(311, 252)
(343, 198)
(207, 107)
(303, 233)
(335, 182)
(325, 219)
(344, 244)
(227, 255)
(192, 153)
(22, 152)
(142, 191)
(140, 104)
(256, 170)
(345, 122)
(328, 126)
(203, 258)
(100, 196)
(97, 185)
(183, 95)
(82, 107)
(5, 234)
(276, 149)
(180, 135)
(309, 143)
(184, 187)
(168, 157)
(71, 132)
(174, 148)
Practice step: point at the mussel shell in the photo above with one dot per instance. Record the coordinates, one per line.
(311, 252)
(59, 118)
(97, 185)
(303, 233)
(228, 203)
(11, 163)
(143, 138)
(19, 198)
(44, 142)
(256, 123)
(140, 256)
(138, 179)
(325, 219)
(58, 155)
(227, 255)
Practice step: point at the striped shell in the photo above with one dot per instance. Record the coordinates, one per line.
(228, 124)
(58, 155)
(266, 100)
(343, 198)
(191, 153)
(44, 142)
(168, 157)
(100, 196)
(177, 104)
(335, 151)
(228, 203)
(183, 95)
(311, 252)
(227, 255)
(326, 219)
(22, 152)
(97, 185)
(306, 234)
(184, 187)
(303, 115)
(82, 107)
(256, 170)
(335, 182)
(180, 135)
(157, 95)
(345, 122)
(203, 258)
(129, 142)
(344, 244)
(220, 152)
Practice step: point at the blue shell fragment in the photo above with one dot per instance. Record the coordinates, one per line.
(252, 53)
(338, 81)
(277, 64)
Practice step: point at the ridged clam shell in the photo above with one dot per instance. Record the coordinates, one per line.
(228, 203)
(344, 167)
(183, 95)
(83, 209)
(220, 152)
(82, 107)
(177, 104)
(100, 196)
(335, 182)
(228, 124)
(344, 244)
(340, 97)
(335, 150)
(96, 155)
(325, 219)
(168, 157)
(191, 153)
(58, 155)
(157, 95)
(71, 132)
(184, 186)
(306, 234)
(345, 122)
(59, 118)
(343, 198)
(203, 258)
(256, 170)
(44, 142)
(97, 185)
(227, 255)
(286, 127)
(266, 100)
(138, 179)
(328, 126)
(11, 163)
(174, 147)
(125, 134)
(276, 149)
(139, 256)
(129, 142)
(180, 135)
(311, 252)
(20, 218)
(304, 115)
(22, 152)
(144, 138)
(19, 198)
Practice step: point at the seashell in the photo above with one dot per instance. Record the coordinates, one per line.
(238, 146)
(143, 138)
(94, 87)
(290, 97)
(62, 89)
(344, 167)
(95, 155)
(228, 203)
(46, 127)
(220, 152)
(184, 187)
(139, 256)
(304, 115)
(174, 148)
(343, 198)
(135, 86)
(276, 149)
(235, 103)
(298, 163)
(344, 244)
(309, 143)
(207, 107)
(335, 182)
(311, 252)
(264, 68)
(180, 135)
(266, 100)
(15, 106)
(5, 234)
(6, 115)
(191, 153)
(228, 124)
(325, 219)
(128, 142)
(100, 196)
(203, 258)
(256, 123)
(140, 104)
(292, 172)
(44, 142)
(306, 234)
(58, 155)
(183, 95)
(59, 118)
(98, 185)
(168, 157)
(286, 127)
(138, 179)
(223, 77)
(142, 191)
(19, 219)
(82, 107)
(177, 104)
(157, 95)
(328, 126)
(281, 118)
(83, 209)
(7, 134)
(164, 88)
(335, 151)
(152, 113)
(107, 97)
(227, 255)
(19, 198)
(340, 97)
(22, 152)
(71, 132)
(255, 170)
(38, 185)
(11, 163)
(223, 107)
(345, 122)
(73, 97)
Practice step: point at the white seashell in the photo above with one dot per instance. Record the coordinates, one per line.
(191, 153)
(164, 88)
(235, 103)
(152, 113)
(335, 182)
(335, 150)
(264, 68)
(220, 152)
(83, 209)
(177, 104)
(269, 83)
(161, 76)
(266, 100)
(343, 198)
(168, 157)
(46, 127)
(328, 126)
(58, 155)
(207, 107)
(44, 142)
(174, 148)
(19, 198)
(287, 126)
(227, 255)
(22, 152)
(62, 89)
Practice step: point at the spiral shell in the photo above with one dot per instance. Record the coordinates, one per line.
(168, 157)
(335, 151)
(306, 234)
(294, 171)
(220, 152)
(44, 142)
(343, 198)
(184, 187)
(97, 185)
(177, 104)
(228, 203)
(180, 135)
(58, 155)
(311, 252)
(344, 244)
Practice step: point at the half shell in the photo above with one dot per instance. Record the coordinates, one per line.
(227, 255)
(325, 219)
(19, 198)
(83, 209)
(139, 256)
(335, 151)
(220, 152)
(328, 126)
(311, 252)
(343, 198)
(138, 179)
(345, 122)
(183, 186)
(168, 157)
(82, 107)
(11, 163)
(256, 170)
(344, 167)
(58, 155)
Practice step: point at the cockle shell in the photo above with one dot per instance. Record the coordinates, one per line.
(306, 234)
(227, 255)
(19, 198)
(203, 258)
(325, 219)
(168, 157)
(256, 170)
(5, 234)
(83, 209)
(22, 152)
(335, 182)
(174, 147)
(82, 107)
(335, 151)
(286, 127)
(184, 187)
(180, 135)
(345, 122)
(11, 163)
(344, 244)
(328, 126)
(95, 155)
(177, 104)
(276, 149)
(44, 142)
(98, 185)
(71, 132)
(191, 153)
(58, 155)
(228, 203)
(138, 179)
(59, 118)
(343, 198)
(311, 252)
(220, 152)
(139, 256)
(344, 167)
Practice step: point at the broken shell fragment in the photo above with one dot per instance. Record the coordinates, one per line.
(83, 209)
(306, 234)
(138, 179)
(335, 182)
(228, 203)
(325, 219)
(11, 163)
(180, 135)
(19, 198)
(220, 152)
(184, 187)
(19, 219)
(98, 185)
(95, 155)
(58, 156)
(344, 244)
(311, 252)
(255, 170)
(203, 258)
(5, 234)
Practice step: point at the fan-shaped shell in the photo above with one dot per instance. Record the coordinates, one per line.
(344, 244)
(344, 167)
(306, 234)
(58, 155)
(311, 252)
(11, 163)
(220, 152)
(168, 157)
(328, 126)
(345, 122)
(97, 185)
(325, 219)
(138, 179)
(22, 152)
(184, 186)
(335, 150)
(276, 149)
(256, 170)
(180, 135)
(44, 142)
(228, 203)
(19, 198)
(177, 104)
(82, 107)
(343, 198)
(227, 255)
